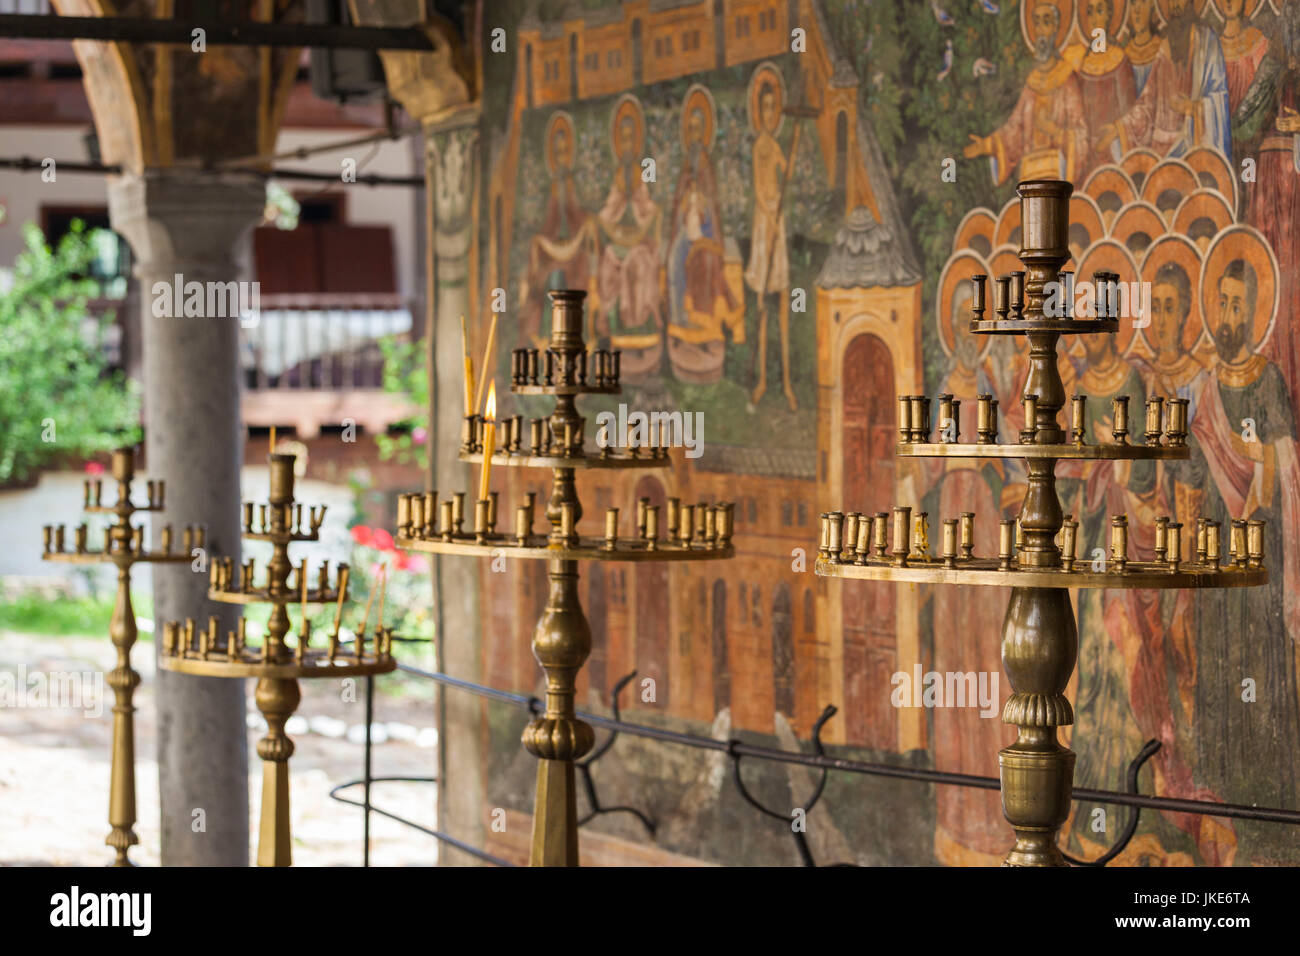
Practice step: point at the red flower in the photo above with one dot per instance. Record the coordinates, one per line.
(363, 536)
(382, 540)
(408, 562)
(94, 468)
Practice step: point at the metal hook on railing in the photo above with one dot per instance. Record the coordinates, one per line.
(1148, 751)
(584, 767)
(800, 837)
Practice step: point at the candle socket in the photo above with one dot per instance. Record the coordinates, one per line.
(834, 540)
(611, 529)
(481, 512)
(1174, 547)
(674, 517)
(1237, 543)
(445, 520)
(1065, 283)
(851, 531)
(1016, 294)
(902, 534)
(458, 512)
(1079, 419)
(1254, 543)
(1162, 538)
(493, 497)
(945, 418)
(977, 297)
(1069, 543)
(1202, 541)
(1030, 431)
(1006, 539)
(950, 542)
(921, 536)
(1119, 429)
(1119, 542)
(1213, 547)
(904, 418)
(920, 419)
(985, 424)
(862, 544)
(688, 525)
(1155, 415)
(1176, 422)
(967, 535)
(652, 527)
(880, 534)
(568, 534)
(1001, 297)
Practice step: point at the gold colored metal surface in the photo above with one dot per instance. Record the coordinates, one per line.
(562, 638)
(124, 547)
(188, 649)
(1108, 452)
(1039, 637)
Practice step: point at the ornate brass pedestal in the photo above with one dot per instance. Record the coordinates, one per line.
(1038, 553)
(124, 547)
(277, 665)
(562, 639)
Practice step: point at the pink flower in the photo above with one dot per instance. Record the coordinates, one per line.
(363, 536)
(419, 435)
(94, 468)
(382, 540)
(408, 562)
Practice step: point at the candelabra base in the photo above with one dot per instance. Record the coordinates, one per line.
(555, 815)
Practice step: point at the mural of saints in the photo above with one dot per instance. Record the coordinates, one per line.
(1142, 40)
(1270, 115)
(700, 299)
(1106, 80)
(768, 271)
(1184, 103)
(562, 253)
(1244, 640)
(628, 277)
(1045, 137)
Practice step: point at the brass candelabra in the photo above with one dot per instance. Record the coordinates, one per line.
(562, 640)
(124, 547)
(278, 666)
(1038, 552)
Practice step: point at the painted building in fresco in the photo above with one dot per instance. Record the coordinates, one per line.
(750, 191)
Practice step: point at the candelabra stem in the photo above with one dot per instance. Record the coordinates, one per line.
(277, 699)
(124, 681)
(561, 644)
(1039, 646)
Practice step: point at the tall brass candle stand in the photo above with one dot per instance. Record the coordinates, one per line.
(1039, 634)
(277, 666)
(124, 547)
(562, 641)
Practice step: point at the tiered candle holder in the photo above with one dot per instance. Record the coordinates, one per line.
(1038, 552)
(562, 639)
(278, 666)
(124, 547)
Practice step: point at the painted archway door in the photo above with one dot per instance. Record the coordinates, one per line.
(868, 608)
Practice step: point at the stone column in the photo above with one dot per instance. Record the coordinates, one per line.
(462, 770)
(181, 224)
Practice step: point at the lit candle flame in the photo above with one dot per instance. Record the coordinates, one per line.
(490, 412)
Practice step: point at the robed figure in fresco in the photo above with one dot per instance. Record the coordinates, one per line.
(1107, 84)
(700, 300)
(1142, 40)
(1270, 115)
(1045, 137)
(562, 253)
(628, 277)
(768, 270)
(1184, 103)
(1245, 433)
(1244, 46)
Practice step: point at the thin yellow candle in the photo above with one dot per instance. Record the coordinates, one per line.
(489, 441)
(469, 369)
(383, 589)
(343, 593)
(487, 363)
(302, 576)
(272, 439)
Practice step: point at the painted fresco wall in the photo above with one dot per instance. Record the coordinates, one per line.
(768, 235)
